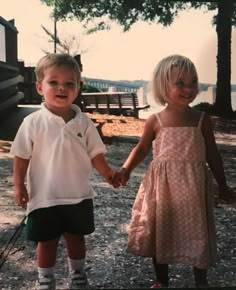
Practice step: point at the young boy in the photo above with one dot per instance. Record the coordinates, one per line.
(56, 147)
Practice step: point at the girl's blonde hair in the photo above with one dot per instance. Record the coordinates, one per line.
(162, 75)
(56, 59)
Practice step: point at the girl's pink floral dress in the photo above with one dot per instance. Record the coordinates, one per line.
(172, 216)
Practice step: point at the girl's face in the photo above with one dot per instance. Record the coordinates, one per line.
(59, 87)
(183, 88)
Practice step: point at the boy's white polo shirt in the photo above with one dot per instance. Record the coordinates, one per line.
(60, 157)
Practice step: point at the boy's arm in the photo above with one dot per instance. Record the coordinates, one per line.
(100, 164)
(19, 171)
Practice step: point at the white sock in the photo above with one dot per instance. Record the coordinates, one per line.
(76, 265)
(42, 272)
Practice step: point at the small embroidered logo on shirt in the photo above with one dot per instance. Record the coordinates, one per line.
(79, 135)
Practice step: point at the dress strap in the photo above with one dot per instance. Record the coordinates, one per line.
(201, 119)
(159, 119)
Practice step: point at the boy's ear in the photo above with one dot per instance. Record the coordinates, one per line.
(38, 86)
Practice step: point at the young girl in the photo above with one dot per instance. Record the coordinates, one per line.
(172, 216)
(56, 147)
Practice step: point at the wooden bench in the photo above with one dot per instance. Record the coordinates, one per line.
(9, 94)
(114, 103)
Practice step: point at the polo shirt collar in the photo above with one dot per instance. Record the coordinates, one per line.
(74, 107)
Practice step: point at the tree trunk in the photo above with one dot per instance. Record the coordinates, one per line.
(222, 103)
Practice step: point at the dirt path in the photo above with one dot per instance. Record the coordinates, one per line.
(109, 266)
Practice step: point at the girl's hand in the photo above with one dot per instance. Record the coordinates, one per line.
(121, 177)
(116, 182)
(21, 195)
(125, 175)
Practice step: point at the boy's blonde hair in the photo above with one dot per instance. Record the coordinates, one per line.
(56, 59)
(162, 75)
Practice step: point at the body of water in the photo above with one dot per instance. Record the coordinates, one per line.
(202, 97)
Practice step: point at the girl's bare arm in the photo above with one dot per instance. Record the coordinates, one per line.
(143, 147)
(214, 158)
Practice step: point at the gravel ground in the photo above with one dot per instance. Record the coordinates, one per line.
(109, 265)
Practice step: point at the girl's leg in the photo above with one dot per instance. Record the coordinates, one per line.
(162, 272)
(200, 277)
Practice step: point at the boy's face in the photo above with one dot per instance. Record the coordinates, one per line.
(59, 87)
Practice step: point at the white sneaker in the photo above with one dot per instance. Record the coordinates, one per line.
(45, 283)
(78, 280)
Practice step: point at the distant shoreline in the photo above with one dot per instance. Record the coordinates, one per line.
(202, 97)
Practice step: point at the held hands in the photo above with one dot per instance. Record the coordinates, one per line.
(116, 179)
(121, 178)
(21, 195)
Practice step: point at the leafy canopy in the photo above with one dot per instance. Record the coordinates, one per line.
(126, 12)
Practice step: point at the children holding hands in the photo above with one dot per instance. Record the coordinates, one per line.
(173, 214)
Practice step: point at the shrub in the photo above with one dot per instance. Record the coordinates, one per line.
(209, 109)
(89, 89)
(205, 107)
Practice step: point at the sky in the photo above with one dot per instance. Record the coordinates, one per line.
(118, 55)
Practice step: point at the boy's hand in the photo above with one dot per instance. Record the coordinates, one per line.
(21, 195)
(109, 175)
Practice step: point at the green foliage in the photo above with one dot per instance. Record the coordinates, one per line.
(210, 110)
(137, 83)
(205, 107)
(101, 25)
(213, 5)
(89, 89)
(126, 12)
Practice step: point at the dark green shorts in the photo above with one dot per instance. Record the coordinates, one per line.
(49, 223)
